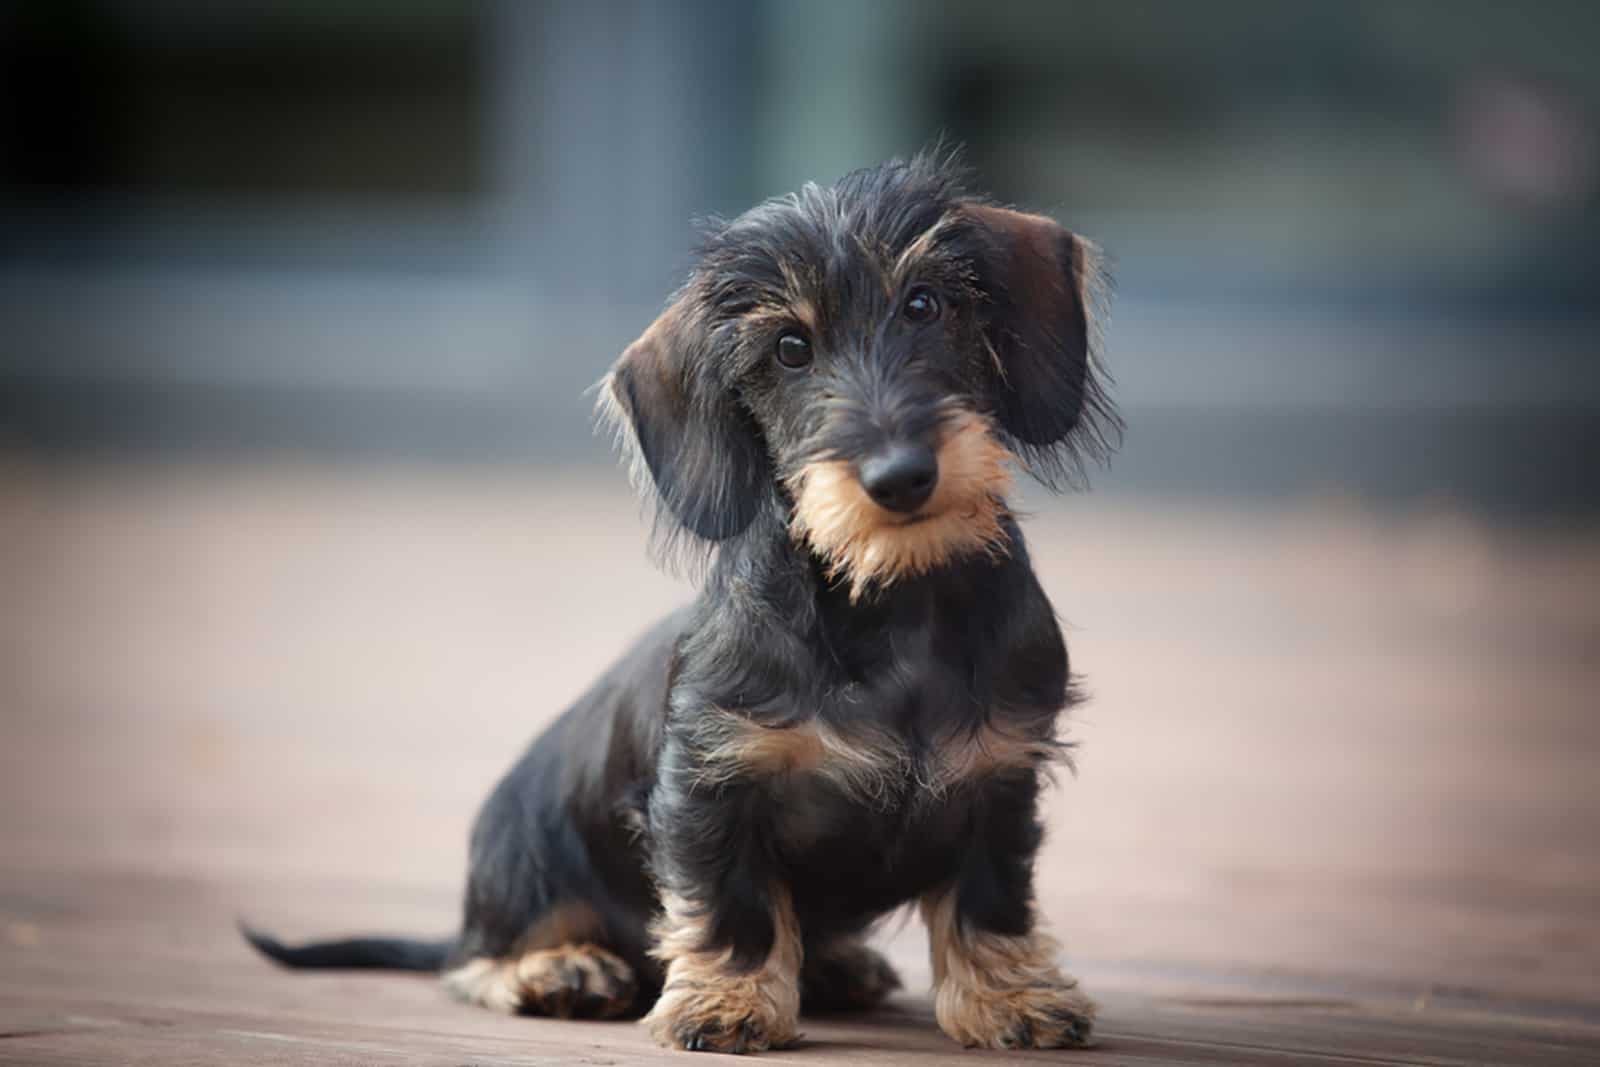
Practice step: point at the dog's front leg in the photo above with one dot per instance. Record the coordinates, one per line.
(713, 1002)
(996, 980)
(727, 932)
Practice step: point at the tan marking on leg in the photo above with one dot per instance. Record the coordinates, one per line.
(870, 545)
(706, 1004)
(866, 764)
(568, 923)
(993, 991)
(845, 975)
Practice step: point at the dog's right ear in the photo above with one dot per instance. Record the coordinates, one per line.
(701, 447)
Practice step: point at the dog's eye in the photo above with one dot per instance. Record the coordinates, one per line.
(794, 351)
(922, 305)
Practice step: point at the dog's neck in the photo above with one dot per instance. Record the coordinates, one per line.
(770, 561)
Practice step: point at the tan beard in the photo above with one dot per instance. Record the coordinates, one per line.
(871, 546)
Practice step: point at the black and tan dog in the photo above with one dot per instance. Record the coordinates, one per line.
(857, 710)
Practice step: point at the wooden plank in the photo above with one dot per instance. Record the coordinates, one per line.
(1335, 800)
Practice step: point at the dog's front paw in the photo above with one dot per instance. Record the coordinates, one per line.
(1054, 1015)
(708, 1003)
(733, 1016)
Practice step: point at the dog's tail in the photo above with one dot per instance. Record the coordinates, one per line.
(363, 953)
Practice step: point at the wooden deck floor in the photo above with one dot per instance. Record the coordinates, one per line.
(1336, 798)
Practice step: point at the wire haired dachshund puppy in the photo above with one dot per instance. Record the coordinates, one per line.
(858, 709)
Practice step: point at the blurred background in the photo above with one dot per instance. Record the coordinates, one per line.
(303, 530)
(1356, 243)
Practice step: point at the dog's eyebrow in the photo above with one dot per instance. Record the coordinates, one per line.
(753, 273)
(773, 314)
(919, 247)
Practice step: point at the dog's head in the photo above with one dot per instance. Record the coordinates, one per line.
(868, 359)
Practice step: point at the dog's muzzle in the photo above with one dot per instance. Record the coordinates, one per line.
(905, 509)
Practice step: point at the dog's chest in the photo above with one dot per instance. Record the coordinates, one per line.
(873, 804)
(829, 785)
(850, 851)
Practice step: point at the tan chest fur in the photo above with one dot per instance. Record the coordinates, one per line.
(871, 765)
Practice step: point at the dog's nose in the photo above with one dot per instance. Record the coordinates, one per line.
(901, 477)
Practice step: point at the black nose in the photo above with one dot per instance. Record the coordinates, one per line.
(901, 477)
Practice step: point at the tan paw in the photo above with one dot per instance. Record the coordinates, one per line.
(568, 982)
(846, 976)
(487, 982)
(708, 1003)
(575, 982)
(1057, 1015)
(731, 1015)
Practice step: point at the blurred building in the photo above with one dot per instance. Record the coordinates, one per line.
(1356, 241)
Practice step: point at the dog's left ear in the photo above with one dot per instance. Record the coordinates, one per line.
(1041, 282)
(701, 447)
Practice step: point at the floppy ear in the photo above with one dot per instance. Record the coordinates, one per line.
(1042, 283)
(701, 447)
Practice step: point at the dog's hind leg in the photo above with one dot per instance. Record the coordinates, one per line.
(573, 981)
(564, 965)
(844, 975)
(557, 904)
